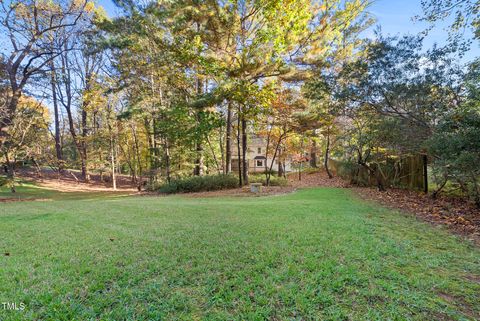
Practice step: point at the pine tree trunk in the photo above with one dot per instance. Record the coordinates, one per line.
(240, 179)
(228, 141)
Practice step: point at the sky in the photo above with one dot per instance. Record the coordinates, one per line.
(394, 17)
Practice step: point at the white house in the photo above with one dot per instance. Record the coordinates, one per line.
(256, 158)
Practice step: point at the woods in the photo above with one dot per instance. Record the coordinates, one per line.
(169, 90)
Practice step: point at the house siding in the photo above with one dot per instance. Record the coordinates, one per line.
(256, 149)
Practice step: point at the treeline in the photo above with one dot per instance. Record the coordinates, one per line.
(174, 89)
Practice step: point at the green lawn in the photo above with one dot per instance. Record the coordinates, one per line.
(318, 254)
(28, 190)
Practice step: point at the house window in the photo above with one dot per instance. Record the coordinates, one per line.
(259, 150)
(259, 163)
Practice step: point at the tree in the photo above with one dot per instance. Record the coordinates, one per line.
(79, 64)
(454, 145)
(28, 133)
(461, 13)
(29, 26)
(407, 88)
(280, 121)
(456, 150)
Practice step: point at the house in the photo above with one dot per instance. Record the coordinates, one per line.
(257, 147)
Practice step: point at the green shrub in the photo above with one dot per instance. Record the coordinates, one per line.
(274, 180)
(199, 184)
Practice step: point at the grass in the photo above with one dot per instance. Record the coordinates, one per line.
(29, 191)
(318, 254)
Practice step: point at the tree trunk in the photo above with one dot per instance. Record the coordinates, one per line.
(112, 159)
(167, 161)
(151, 150)
(83, 153)
(214, 155)
(138, 157)
(267, 150)
(379, 178)
(228, 141)
(240, 179)
(327, 156)
(199, 161)
(440, 187)
(376, 172)
(198, 171)
(71, 126)
(313, 154)
(11, 174)
(425, 173)
(244, 151)
(83, 144)
(269, 172)
(281, 171)
(58, 145)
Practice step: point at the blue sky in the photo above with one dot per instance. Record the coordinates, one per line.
(394, 17)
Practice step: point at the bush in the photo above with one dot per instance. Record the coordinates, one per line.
(274, 180)
(199, 184)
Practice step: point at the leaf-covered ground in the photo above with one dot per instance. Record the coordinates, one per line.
(317, 254)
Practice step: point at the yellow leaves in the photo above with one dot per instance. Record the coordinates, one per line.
(32, 110)
(43, 12)
(93, 99)
(90, 7)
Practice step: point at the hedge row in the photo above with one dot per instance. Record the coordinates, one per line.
(199, 184)
(213, 183)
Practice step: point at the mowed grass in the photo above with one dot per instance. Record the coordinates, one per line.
(318, 254)
(31, 191)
